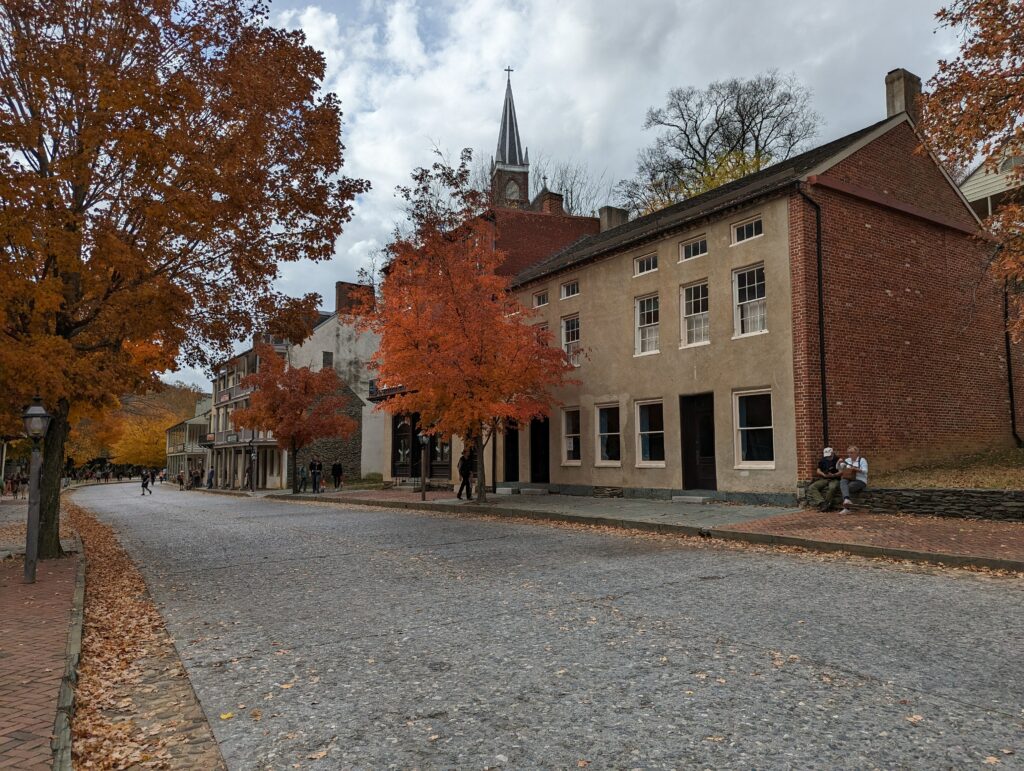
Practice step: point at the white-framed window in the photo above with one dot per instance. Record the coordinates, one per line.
(540, 299)
(755, 439)
(696, 326)
(744, 231)
(646, 264)
(570, 288)
(695, 247)
(749, 300)
(571, 436)
(571, 338)
(609, 435)
(647, 315)
(650, 433)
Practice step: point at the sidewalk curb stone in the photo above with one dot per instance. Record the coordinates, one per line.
(862, 550)
(61, 742)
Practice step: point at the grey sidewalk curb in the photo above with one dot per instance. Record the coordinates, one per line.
(61, 742)
(861, 550)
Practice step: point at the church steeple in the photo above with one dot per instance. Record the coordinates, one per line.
(510, 168)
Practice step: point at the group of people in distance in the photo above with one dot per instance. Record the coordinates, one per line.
(313, 473)
(837, 477)
(16, 485)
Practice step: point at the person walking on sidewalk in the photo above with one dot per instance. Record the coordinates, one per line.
(316, 473)
(303, 478)
(854, 471)
(465, 474)
(822, 491)
(145, 483)
(337, 471)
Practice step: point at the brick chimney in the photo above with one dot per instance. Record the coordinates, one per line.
(347, 294)
(551, 203)
(612, 217)
(902, 90)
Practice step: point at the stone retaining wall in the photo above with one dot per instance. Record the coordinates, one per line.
(1004, 505)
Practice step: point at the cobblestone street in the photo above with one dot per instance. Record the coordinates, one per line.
(324, 636)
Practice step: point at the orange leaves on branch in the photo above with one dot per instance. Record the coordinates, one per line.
(467, 354)
(976, 107)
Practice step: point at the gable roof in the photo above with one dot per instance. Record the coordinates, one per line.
(764, 182)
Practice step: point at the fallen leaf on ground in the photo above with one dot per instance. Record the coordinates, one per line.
(226, 715)
(915, 719)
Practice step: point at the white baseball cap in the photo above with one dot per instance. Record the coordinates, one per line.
(828, 452)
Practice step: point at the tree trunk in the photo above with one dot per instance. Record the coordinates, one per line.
(295, 470)
(53, 468)
(481, 482)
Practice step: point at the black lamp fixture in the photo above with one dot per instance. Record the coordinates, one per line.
(36, 420)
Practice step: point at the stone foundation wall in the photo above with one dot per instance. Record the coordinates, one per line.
(348, 450)
(1004, 505)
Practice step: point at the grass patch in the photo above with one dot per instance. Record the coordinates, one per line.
(995, 470)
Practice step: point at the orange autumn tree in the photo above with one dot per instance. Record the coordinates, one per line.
(297, 404)
(159, 160)
(976, 107)
(455, 339)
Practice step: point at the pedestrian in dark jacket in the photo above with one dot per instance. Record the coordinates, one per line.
(337, 471)
(145, 483)
(316, 473)
(465, 475)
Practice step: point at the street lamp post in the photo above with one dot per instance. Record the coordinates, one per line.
(36, 420)
(424, 441)
(252, 463)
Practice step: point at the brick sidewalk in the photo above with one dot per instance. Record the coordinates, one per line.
(33, 639)
(934, 535)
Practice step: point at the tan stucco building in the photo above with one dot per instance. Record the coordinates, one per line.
(661, 343)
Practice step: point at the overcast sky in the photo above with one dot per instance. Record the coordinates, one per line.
(415, 75)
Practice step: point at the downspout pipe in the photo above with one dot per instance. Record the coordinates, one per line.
(1009, 364)
(821, 315)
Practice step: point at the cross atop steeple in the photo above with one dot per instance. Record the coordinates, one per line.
(509, 71)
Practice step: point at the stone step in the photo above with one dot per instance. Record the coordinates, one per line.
(504, 491)
(533, 491)
(699, 499)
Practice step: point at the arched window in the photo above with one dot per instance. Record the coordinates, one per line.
(512, 190)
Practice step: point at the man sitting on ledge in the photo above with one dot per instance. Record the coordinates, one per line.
(822, 491)
(854, 473)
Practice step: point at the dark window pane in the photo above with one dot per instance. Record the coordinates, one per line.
(609, 420)
(610, 447)
(758, 444)
(755, 410)
(572, 422)
(652, 447)
(651, 418)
